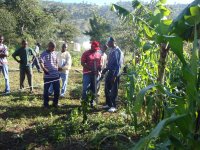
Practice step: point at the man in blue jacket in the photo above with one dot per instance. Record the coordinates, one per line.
(115, 61)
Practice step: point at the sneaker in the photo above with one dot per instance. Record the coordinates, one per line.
(105, 107)
(112, 109)
(62, 96)
(7, 92)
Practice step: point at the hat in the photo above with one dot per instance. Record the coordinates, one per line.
(111, 39)
(95, 45)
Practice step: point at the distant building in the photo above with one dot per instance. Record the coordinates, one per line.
(77, 47)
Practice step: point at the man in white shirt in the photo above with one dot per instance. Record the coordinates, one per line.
(35, 59)
(64, 64)
(4, 64)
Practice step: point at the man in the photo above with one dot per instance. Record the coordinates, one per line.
(115, 61)
(91, 62)
(35, 59)
(49, 64)
(103, 65)
(25, 55)
(104, 56)
(4, 64)
(64, 64)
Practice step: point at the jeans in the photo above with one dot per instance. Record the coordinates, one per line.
(26, 71)
(36, 63)
(64, 78)
(89, 84)
(4, 69)
(111, 89)
(55, 82)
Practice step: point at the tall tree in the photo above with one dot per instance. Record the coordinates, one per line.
(100, 29)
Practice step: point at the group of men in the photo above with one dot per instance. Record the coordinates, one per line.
(56, 66)
(95, 66)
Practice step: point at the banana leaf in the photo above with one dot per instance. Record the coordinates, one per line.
(181, 27)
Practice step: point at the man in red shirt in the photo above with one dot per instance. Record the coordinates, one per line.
(91, 62)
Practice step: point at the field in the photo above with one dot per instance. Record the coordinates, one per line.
(25, 124)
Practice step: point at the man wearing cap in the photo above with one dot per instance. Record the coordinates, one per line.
(91, 62)
(115, 61)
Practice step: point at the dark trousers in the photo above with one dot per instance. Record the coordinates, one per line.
(56, 88)
(111, 89)
(36, 63)
(28, 72)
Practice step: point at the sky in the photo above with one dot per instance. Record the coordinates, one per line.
(102, 2)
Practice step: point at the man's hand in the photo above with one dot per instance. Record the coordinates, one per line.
(19, 61)
(60, 69)
(113, 79)
(45, 71)
(104, 71)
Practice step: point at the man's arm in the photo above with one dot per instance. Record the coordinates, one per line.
(41, 61)
(68, 64)
(43, 68)
(14, 55)
(5, 54)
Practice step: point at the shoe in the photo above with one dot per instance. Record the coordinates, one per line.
(62, 96)
(7, 92)
(50, 94)
(45, 106)
(55, 105)
(112, 109)
(105, 107)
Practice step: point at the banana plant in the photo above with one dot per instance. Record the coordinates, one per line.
(178, 130)
(153, 27)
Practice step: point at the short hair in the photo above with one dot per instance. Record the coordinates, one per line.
(65, 44)
(53, 44)
(24, 41)
(38, 44)
(1, 36)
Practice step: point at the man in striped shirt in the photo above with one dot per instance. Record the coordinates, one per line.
(4, 64)
(49, 64)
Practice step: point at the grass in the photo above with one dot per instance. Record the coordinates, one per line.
(24, 124)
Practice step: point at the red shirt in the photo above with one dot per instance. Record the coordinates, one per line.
(89, 57)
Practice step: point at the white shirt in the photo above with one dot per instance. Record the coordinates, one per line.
(64, 61)
(103, 61)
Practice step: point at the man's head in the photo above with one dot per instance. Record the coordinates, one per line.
(64, 47)
(1, 39)
(51, 46)
(104, 48)
(94, 46)
(38, 44)
(24, 43)
(111, 42)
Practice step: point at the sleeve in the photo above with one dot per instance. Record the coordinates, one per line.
(117, 63)
(16, 53)
(32, 52)
(6, 50)
(68, 62)
(84, 57)
(41, 59)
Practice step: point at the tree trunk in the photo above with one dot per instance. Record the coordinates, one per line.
(164, 49)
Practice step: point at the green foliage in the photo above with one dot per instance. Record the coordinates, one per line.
(157, 29)
(7, 22)
(100, 29)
